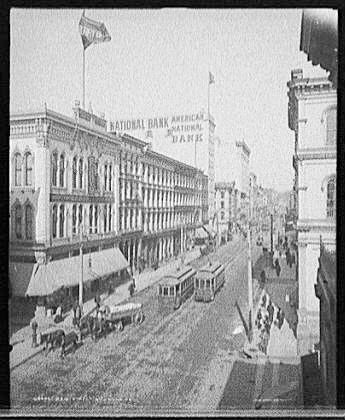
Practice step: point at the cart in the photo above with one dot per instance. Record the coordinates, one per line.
(116, 317)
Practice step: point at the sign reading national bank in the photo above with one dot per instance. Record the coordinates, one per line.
(179, 128)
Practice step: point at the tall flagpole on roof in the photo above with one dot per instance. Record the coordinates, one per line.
(83, 71)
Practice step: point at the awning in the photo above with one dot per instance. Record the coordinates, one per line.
(42, 280)
(201, 233)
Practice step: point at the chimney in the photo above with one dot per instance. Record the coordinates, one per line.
(296, 74)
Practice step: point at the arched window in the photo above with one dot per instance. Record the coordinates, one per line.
(74, 173)
(331, 198)
(96, 219)
(62, 170)
(54, 221)
(105, 216)
(80, 218)
(28, 169)
(18, 221)
(110, 177)
(62, 221)
(81, 184)
(74, 219)
(17, 170)
(28, 223)
(109, 218)
(222, 215)
(90, 218)
(331, 127)
(54, 169)
(105, 177)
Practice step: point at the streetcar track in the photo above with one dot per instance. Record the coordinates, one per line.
(151, 336)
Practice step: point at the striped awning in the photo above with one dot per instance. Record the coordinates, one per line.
(43, 279)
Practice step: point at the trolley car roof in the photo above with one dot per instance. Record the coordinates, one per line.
(177, 277)
(210, 271)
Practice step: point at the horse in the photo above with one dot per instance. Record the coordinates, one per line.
(68, 340)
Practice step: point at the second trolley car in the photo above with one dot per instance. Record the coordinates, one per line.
(208, 281)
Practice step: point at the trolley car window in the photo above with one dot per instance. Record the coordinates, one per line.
(160, 290)
(165, 291)
(172, 291)
(207, 284)
(177, 287)
(201, 284)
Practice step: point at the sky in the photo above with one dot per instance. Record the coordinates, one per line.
(157, 63)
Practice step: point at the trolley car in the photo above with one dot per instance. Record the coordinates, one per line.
(175, 288)
(208, 281)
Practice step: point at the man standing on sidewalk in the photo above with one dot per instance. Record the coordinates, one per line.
(34, 327)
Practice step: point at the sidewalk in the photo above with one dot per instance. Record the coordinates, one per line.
(21, 340)
(273, 380)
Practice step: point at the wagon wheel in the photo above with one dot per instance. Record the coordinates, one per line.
(119, 326)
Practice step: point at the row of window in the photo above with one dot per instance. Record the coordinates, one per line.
(23, 166)
(59, 219)
(58, 173)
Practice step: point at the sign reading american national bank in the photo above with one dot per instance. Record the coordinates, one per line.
(181, 128)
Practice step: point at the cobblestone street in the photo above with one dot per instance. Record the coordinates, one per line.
(160, 364)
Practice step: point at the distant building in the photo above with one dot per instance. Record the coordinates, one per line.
(325, 290)
(225, 207)
(253, 198)
(242, 156)
(312, 116)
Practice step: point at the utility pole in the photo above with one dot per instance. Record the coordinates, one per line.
(250, 280)
(272, 237)
(81, 267)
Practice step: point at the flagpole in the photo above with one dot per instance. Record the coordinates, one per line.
(83, 77)
(208, 117)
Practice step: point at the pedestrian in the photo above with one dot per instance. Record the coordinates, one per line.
(34, 326)
(131, 289)
(277, 267)
(58, 315)
(262, 278)
(293, 258)
(77, 315)
(97, 302)
(75, 304)
(270, 310)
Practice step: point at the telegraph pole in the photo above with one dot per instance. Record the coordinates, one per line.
(250, 280)
(81, 267)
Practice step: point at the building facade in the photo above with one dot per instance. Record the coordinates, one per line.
(64, 196)
(242, 157)
(312, 116)
(187, 138)
(83, 197)
(225, 208)
(325, 291)
(162, 202)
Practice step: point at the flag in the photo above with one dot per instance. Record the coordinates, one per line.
(211, 77)
(92, 32)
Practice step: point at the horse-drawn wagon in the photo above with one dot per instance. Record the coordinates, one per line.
(116, 317)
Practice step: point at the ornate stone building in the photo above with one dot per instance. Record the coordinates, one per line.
(312, 116)
(63, 194)
(82, 195)
(162, 202)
